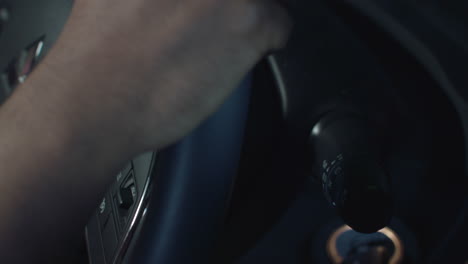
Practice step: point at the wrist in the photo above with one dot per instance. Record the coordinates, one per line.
(40, 115)
(53, 172)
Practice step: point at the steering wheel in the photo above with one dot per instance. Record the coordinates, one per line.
(194, 182)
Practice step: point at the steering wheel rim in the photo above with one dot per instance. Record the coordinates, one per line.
(193, 183)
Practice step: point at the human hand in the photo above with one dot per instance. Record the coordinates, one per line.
(141, 74)
(125, 76)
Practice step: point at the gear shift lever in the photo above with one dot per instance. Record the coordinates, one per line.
(351, 172)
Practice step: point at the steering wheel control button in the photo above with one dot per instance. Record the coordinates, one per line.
(127, 196)
(109, 239)
(102, 206)
(104, 211)
(20, 67)
(28, 59)
(4, 17)
(125, 199)
(121, 176)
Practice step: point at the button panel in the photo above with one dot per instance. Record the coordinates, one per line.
(104, 211)
(109, 239)
(20, 67)
(115, 212)
(28, 59)
(125, 199)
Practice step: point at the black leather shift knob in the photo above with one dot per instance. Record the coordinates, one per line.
(353, 179)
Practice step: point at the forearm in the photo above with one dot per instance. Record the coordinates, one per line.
(124, 77)
(52, 175)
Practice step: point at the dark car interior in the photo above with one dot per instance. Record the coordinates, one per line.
(347, 146)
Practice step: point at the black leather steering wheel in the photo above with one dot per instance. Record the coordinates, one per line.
(194, 182)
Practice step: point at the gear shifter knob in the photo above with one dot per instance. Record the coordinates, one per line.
(351, 172)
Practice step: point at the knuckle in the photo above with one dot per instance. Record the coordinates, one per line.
(281, 30)
(267, 24)
(262, 25)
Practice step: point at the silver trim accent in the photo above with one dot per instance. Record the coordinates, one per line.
(273, 63)
(87, 246)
